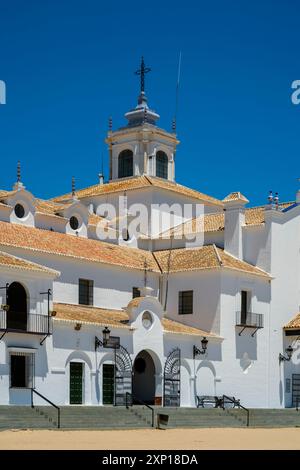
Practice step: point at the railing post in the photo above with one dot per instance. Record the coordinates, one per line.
(32, 398)
(58, 418)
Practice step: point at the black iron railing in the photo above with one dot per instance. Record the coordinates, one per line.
(33, 390)
(226, 399)
(129, 402)
(254, 320)
(32, 323)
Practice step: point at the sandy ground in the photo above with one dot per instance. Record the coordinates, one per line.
(153, 439)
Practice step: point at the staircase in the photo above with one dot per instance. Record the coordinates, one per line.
(109, 417)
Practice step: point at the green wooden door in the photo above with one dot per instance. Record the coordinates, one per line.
(108, 384)
(76, 369)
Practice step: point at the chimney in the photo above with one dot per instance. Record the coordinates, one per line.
(101, 178)
(234, 207)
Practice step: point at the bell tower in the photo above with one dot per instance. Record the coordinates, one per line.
(141, 147)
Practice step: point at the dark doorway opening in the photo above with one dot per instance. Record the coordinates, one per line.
(108, 384)
(18, 371)
(17, 301)
(143, 384)
(76, 374)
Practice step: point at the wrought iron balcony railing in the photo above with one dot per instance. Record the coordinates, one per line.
(31, 323)
(254, 320)
(249, 320)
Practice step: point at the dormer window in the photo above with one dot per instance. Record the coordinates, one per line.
(19, 211)
(74, 223)
(162, 165)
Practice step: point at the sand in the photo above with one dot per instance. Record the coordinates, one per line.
(153, 439)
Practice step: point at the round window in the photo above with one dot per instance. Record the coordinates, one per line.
(147, 320)
(19, 211)
(74, 223)
(139, 365)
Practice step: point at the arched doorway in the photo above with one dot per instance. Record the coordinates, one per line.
(143, 384)
(17, 301)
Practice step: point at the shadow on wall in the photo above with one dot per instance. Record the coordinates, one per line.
(246, 346)
(205, 383)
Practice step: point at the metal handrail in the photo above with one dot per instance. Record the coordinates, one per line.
(237, 402)
(250, 319)
(48, 401)
(34, 323)
(141, 403)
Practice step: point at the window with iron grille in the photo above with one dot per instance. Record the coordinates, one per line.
(86, 292)
(162, 165)
(125, 164)
(22, 370)
(136, 292)
(185, 302)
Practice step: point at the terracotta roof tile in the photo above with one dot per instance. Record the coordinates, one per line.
(137, 183)
(94, 315)
(116, 318)
(75, 247)
(205, 257)
(171, 326)
(10, 261)
(215, 222)
(294, 323)
(236, 196)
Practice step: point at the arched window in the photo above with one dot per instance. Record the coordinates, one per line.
(17, 301)
(125, 164)
(162, 165)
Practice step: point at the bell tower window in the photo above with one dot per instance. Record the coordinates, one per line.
(125, 164)
(162, 165)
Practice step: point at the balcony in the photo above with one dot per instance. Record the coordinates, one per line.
(249, 320)
(31, 323)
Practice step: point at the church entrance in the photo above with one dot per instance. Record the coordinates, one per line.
(143, 383)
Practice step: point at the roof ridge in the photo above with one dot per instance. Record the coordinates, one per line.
(217, 255)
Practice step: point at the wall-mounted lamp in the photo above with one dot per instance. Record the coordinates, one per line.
(106, 336)
(289, 352)
(77, 327)
(197, 351)
(5, 307)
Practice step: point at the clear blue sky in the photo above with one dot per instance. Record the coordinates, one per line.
(69, 65)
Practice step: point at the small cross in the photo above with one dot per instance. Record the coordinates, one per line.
(142, 71)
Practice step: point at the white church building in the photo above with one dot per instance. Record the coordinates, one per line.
(200, 298)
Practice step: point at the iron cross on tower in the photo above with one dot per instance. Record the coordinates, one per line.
(142, 71)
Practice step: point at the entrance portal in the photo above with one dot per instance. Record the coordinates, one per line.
(143, 384)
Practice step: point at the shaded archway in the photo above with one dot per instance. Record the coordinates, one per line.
(143, 383)
(17, 301)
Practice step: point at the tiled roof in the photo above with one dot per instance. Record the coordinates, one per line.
(135, 302)
(237, 196)
(71, 246)
(50, 207)
(205, 257)
(171, 326)
(294, 323)
(5, 194)
(10, 261)
(94, 315)
(215, 222)
(95, 219)
(116, 318)
(138, 183)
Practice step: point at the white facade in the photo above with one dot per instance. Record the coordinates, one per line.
(257, 284)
